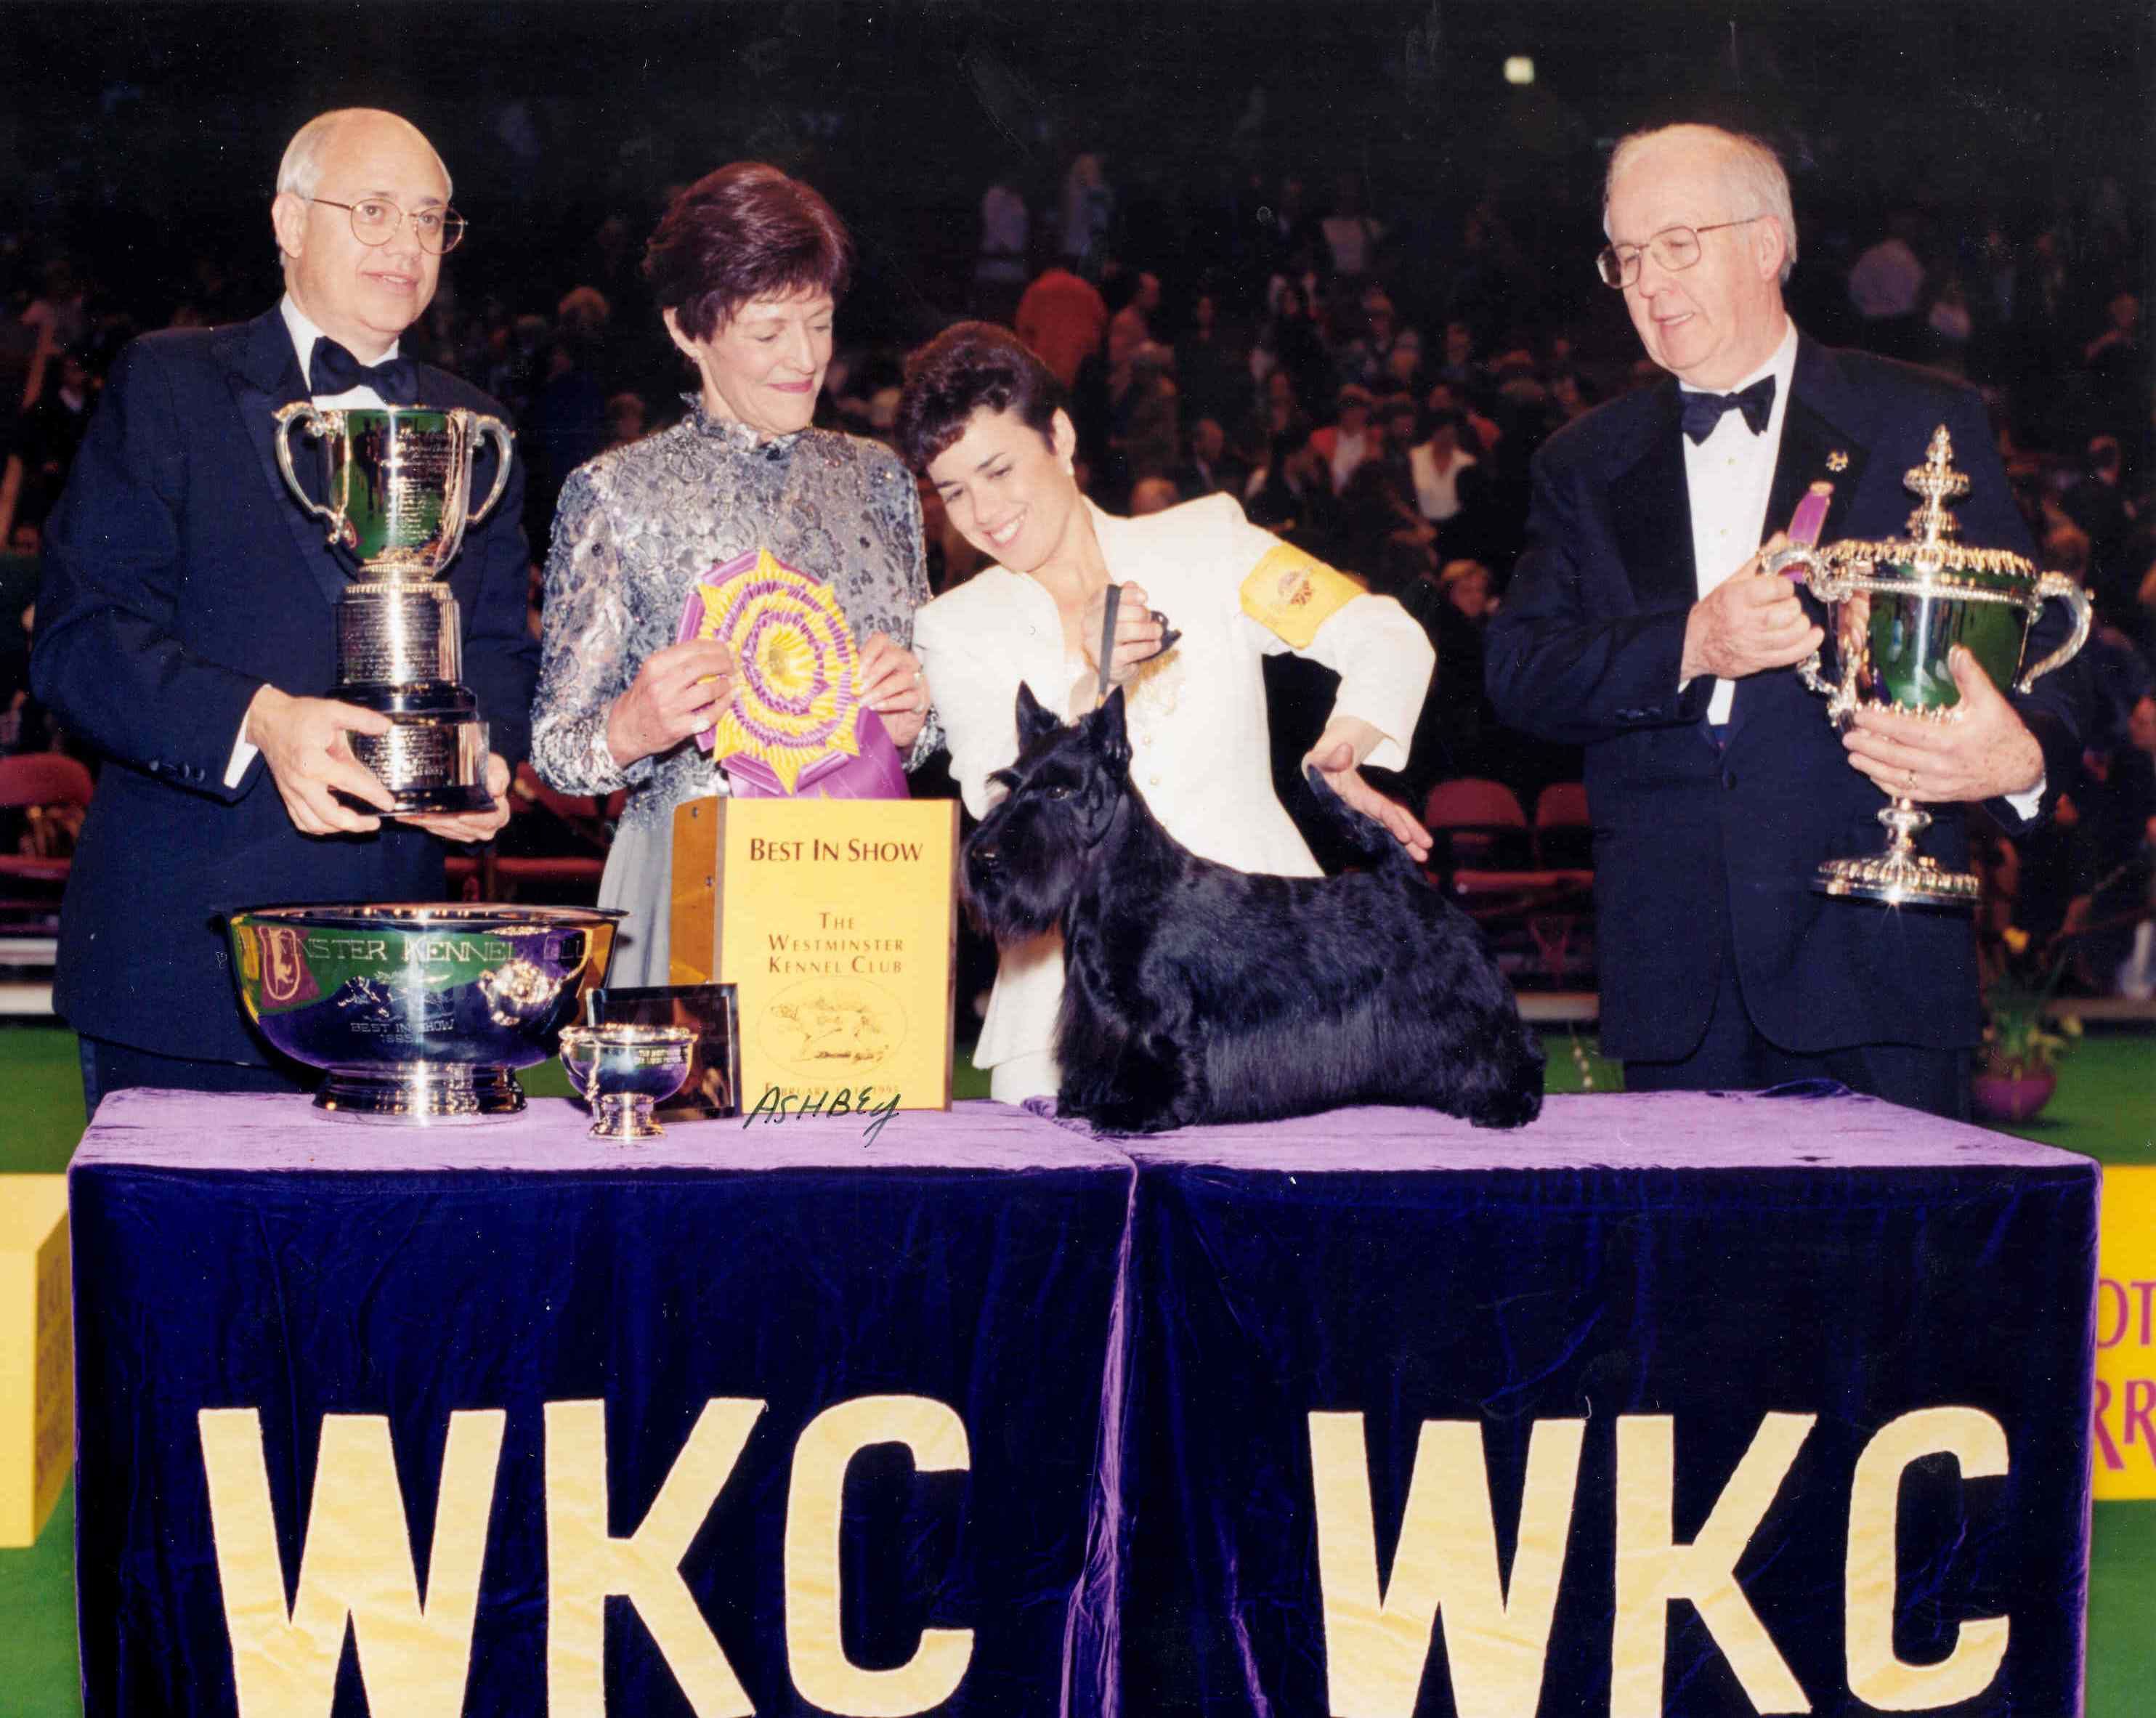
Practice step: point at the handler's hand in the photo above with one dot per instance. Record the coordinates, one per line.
(1750, 622)
(892, 686)
(1336, 755)
(470, 825)
(679, 691)
(1139, 633)
(303, 746)
(1977, 751)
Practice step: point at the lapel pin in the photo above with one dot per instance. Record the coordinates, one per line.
(1837, 461)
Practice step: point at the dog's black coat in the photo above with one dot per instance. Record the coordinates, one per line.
(1195, 993)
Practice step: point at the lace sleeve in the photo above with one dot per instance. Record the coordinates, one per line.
(584, 662)
(931, 739)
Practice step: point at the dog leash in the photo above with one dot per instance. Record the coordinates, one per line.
(1114, 595)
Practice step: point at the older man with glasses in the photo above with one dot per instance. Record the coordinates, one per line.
(1639, 624)
(186, 625)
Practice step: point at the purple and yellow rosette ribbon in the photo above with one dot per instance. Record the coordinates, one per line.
(796, 710)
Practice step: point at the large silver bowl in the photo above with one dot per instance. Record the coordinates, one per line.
(418, 1013)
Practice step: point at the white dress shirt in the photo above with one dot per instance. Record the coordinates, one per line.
(304, 334)
(1437, 492)
(1729, 477)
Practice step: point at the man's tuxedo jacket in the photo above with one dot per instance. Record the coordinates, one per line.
(180, 575)
(1699, 848)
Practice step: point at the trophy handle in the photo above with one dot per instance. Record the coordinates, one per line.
(480, 427)
(1808, 671)
(578, 1050)
(1798, 562)
(2075, 597)
(317, 423)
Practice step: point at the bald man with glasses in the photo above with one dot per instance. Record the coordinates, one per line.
(185, 626)
(1638, 624)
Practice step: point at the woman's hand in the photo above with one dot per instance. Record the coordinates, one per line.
(1139, 633)
(1337, 754)
(679, 691)
(892, 686)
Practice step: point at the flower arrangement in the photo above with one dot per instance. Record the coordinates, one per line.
(2018, 1042)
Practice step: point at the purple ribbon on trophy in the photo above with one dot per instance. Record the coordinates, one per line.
(796, 725)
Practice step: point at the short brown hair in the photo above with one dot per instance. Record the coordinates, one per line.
(969, 366)
(741, 232)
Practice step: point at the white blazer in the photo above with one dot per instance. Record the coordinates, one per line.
(1200, 746)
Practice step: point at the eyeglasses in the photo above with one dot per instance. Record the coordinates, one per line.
(1674, 248)
(376, 221)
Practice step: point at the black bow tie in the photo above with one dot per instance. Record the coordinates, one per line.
(334, 371)
(1703, 411)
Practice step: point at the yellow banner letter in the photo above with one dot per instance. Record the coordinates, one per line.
(1376, 1640)
(1876, 1677)
(356, 1565)
(823, 1674)
(1652, 1568)
(586, 1565)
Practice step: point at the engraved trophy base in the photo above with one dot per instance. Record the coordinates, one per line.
(1900, 876)
(623, 1116)
(399, 652)
(430, 1093)
(433, 757)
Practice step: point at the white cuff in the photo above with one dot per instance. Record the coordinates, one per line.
(244, 753)
(2026, 805)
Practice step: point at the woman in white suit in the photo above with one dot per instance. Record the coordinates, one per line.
(983, 420)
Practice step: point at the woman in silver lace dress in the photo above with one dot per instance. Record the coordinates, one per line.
(747, 266)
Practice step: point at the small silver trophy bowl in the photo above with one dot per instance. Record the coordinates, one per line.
(623, 1072)
(398, 483)
(420, 1014)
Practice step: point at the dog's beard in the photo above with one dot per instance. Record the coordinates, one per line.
(1036, 874)
(1012, 907)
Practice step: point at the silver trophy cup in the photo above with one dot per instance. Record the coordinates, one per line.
(397, 483)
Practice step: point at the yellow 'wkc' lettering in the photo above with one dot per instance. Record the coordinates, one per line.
(1378, 1633)
(414, 1659)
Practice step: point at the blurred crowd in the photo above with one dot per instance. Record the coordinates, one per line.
(1371, 381)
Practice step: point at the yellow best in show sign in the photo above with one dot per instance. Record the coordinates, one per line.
(836, 920)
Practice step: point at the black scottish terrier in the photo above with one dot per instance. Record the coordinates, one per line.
(1194, 992)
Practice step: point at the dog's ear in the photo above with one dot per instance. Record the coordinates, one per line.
(1034, 722)
(1109, 732)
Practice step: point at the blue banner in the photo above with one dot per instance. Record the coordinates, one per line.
(1672, 1405)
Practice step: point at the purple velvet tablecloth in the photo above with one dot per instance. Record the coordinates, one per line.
(1645, 1131)
(1142, 1338)
(166, 1130)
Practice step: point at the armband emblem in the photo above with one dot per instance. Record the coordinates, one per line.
(1292, 594)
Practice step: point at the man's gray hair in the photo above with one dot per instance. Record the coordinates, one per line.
(1751, 175)
(300, 172)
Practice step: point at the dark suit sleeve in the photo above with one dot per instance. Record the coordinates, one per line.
(106, 654)
(1560, 664)
(502, 658)
(2057, 708)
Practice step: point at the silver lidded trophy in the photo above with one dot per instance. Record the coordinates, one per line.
(1895, 611)
(398, 486)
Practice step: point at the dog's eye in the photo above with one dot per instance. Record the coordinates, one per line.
(1061, 790)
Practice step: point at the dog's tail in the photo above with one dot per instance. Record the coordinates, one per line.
(1368, 836)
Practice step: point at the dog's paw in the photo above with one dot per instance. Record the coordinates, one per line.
(1130, 1116)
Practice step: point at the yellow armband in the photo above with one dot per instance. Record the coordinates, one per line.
(1291, 594)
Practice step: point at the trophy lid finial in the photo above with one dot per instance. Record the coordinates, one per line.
(1937, 482)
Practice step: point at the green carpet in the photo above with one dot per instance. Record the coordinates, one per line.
(2106, 1107)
